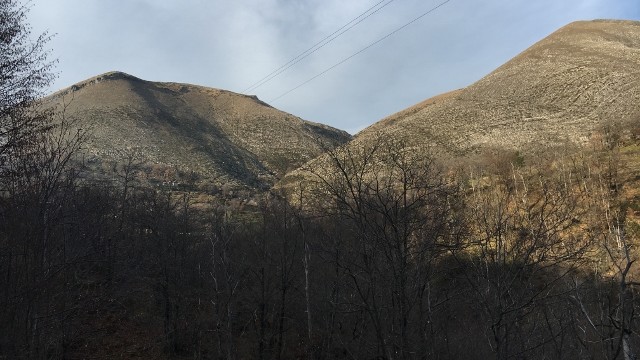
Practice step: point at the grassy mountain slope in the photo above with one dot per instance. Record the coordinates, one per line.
(221, 135)
(556, 92)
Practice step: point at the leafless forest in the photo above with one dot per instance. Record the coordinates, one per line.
(379, 254)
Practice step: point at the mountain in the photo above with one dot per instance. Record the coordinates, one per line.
(557, 92)
(225, 137)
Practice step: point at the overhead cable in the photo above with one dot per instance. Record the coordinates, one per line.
(360, 51)
(322, 43)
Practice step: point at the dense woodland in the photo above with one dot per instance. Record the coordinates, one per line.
(376, 255)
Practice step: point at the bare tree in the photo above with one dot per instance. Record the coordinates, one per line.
(25, 73)
(524, 242)
(609, 305)
(398, 213)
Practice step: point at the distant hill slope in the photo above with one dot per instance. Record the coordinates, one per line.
(223, 136)
(556, 92)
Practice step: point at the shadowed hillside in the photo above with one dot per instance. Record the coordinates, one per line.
(218, 134)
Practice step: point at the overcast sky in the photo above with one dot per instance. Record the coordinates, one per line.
(232, 44)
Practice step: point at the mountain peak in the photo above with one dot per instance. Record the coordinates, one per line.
(601, 22)
(108, 76)
(220, 135)
(555, 93)
(116, 75)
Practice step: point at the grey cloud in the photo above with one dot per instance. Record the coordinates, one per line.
(233, 44)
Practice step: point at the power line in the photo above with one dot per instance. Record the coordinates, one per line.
(361, 50)
(319, 45)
